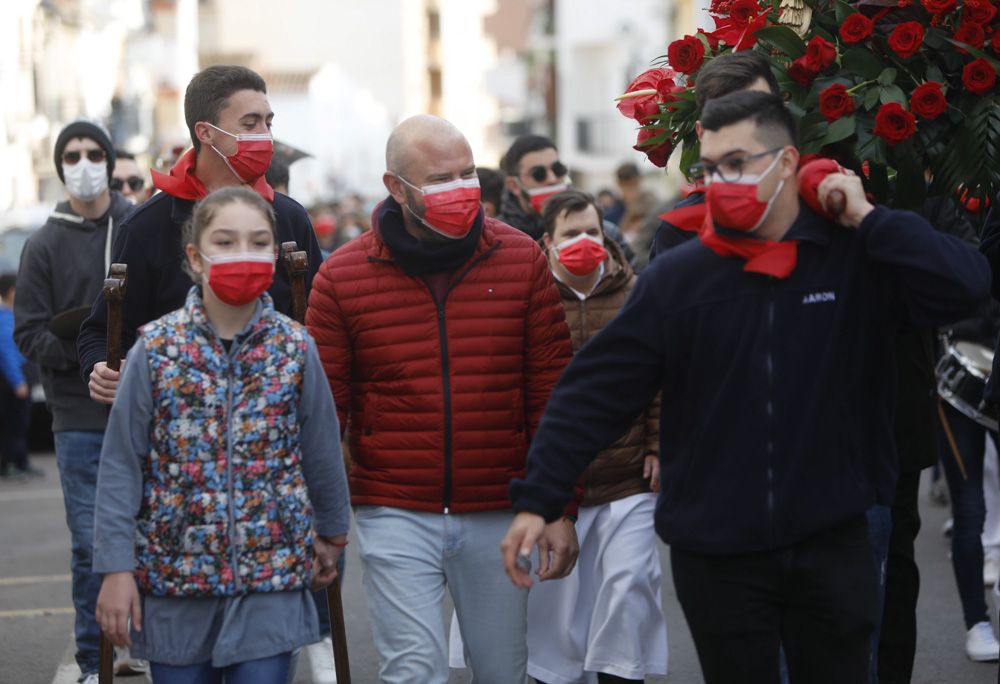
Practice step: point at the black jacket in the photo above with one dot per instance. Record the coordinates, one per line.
(777, 394)
(150, 244)
(62, 268)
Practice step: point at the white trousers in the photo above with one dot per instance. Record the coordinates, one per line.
(606, 616)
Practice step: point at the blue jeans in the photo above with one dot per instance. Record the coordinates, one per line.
(273, 670)
(968, 508)
(408, 558)
(78, 453)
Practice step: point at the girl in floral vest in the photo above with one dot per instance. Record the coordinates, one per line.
(221, 495)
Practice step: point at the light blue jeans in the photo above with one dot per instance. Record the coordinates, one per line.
(408, 557)
(78, 453)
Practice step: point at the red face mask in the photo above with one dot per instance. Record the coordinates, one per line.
(734, 205)
(253, 155)
(537, 196)
(582, 254)
(238, 279)
(450, 208)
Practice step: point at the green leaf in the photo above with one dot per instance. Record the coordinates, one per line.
(975, 53)
(871, 97)
(689, 155)
(842, 10)
(892, 93)
(839, 130)
(887, 77)
(934, 73)
(862, 62)
(783, 39)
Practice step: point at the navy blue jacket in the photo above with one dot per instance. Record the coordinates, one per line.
(149, 242)
(777, 394)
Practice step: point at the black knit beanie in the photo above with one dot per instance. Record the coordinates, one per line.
(83, 128)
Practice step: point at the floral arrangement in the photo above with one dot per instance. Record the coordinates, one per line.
(895, 90)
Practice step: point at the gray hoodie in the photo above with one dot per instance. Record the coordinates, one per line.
(63, 267)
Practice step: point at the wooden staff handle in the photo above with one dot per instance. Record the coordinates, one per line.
(836, 203)
(106, 664)
(338, 633)
(114, 295)
(296, 265)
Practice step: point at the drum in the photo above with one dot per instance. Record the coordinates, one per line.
(962, 374)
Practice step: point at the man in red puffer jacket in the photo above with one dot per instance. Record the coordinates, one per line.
(442, 334)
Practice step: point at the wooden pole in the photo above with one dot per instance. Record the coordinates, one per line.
(114, 295)
(297, 264)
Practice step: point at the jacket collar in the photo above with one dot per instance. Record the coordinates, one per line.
(195, 307)
(379, 251)
(809, 226)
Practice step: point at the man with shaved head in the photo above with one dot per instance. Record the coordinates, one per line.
(442, 334)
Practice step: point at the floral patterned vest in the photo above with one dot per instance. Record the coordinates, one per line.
(224, 509)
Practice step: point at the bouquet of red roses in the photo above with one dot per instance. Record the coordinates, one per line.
(905, 93)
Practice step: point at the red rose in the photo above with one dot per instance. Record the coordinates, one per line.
(995, 41)
(906, 39)
(742, 11)
(820, 53)
(856, 28)
(642, 107)
(686, 54)
(835, 102)
(970, 34)
(938, 7)
(894, 124)
(927, 100)
(978, 76)
(657, 154)
(801, 72)
(978, 11)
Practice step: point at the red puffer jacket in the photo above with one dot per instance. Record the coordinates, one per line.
(440, 400)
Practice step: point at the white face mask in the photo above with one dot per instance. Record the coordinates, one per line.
(85, 179)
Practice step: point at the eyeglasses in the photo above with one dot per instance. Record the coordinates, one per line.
(728, 170)
(134, 183)
(540, 173)
(95, 156)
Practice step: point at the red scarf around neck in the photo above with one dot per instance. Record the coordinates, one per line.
(183, 183)
(768, 257)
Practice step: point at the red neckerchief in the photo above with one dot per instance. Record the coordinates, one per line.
(769, 257)
(182, 182)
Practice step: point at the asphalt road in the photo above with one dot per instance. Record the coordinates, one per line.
(36, 609)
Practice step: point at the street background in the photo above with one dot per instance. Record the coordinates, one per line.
(36, 610)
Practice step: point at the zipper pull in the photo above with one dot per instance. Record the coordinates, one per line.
(447, 510)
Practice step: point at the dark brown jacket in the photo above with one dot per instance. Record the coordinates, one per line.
(617, 471)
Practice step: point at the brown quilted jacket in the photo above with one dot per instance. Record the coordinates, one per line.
(617, 471)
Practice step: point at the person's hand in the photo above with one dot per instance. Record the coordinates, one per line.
(22, 391)
(327, 551)
(104, 382)
(516, 546)
(856, 204)
(117, 601)
(651, 472)
(557, 550)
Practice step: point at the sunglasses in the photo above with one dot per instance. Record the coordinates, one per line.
(134, 183)
(93, 155)
(540, 173)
